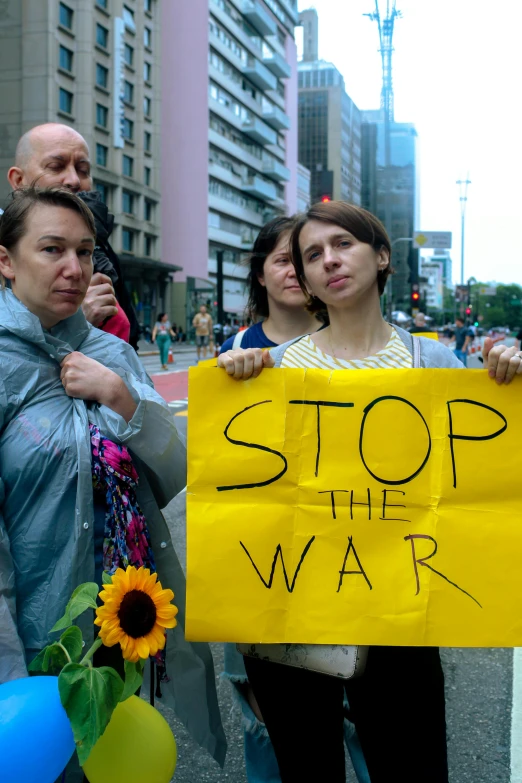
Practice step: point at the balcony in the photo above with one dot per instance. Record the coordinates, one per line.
(255, 186)
(276, 117)
(254, 13)
(276, 171)
(259, 74)
(278, 65)
(259, 131)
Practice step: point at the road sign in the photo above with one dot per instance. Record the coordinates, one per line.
(488, 290)
(433, 240)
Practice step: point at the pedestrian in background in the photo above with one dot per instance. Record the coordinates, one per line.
(276, 310)
(419, 324)
(203, 325)
(163, 334)
(463, 339)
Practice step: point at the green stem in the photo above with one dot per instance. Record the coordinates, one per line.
(86, 660)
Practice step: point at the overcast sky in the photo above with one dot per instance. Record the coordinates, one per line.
(456, 73)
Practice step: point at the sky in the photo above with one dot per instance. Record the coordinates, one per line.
(456, 75)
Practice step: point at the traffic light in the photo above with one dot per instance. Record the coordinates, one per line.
(415, 296)
(468, 310)
(325, 199)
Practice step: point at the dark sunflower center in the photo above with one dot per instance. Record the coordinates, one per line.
(137, 614)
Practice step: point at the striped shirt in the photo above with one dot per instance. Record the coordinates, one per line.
(304, 353)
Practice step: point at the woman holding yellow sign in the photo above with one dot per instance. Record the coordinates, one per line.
(341, 254)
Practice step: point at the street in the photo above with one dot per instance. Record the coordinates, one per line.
(479, 682)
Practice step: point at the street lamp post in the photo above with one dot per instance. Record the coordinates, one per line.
(463, 185)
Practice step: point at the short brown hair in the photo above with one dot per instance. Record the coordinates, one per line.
(358, 221)
(13, 223)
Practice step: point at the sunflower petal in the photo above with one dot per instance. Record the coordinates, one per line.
(142, 647)
(167, 623)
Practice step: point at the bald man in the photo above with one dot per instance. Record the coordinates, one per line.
(55, 155)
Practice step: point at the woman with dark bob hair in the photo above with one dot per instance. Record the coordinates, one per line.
(277, 308)
(89, 454)
(342, 258)
(276, 303)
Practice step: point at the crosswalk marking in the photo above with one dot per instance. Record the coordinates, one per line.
(178, 403)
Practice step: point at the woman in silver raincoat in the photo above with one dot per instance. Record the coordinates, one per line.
(58, 376)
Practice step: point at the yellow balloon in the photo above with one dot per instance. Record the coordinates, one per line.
(137, 746)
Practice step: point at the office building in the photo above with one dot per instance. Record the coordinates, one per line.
(431, 283)
(94, 65)
(400, 181)
(229, 140)
(329, 123)
(303, 188)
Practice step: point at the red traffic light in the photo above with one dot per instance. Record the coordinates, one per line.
(326, 199)
(468, 310)
(415, 296)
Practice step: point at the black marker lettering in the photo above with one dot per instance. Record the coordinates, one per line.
(353, 503)
(361, 570)
(252, 446)
(426, 458)
(422, 561)
(318, 404)
(386, 505)
(332, 497)
(453, 437)
(279, 553)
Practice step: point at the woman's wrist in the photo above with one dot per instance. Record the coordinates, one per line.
(118, 398)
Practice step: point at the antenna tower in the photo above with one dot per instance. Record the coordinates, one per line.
(385, 27)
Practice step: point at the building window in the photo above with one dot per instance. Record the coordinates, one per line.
(101, 155)
(102, 115)
(147, 106)
(127, 129)
(128, 166)
(127, 240)
(102, 75)
(147, 141)
(147, 37)
(102, 36)
(127, 202)
(149, 246)
(128, 18)
(128, 54)
(103, 190)
(66, 59)
(66, 101)
(128, 92)
(148, 209)
(147, 176)
(102, 3)
(66, 16)
(147, 71)
(147, 6)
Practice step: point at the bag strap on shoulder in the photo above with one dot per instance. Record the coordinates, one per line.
(238, 339)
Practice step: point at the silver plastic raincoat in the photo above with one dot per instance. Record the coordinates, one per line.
(46, 499)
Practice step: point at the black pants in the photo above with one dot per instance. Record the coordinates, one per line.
(397, 706)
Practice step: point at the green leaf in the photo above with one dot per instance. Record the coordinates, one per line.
(36, 665)
(133, 678)
(89, 697)
(73, 642)
(84, 597)
(55, 659)
(106, 578)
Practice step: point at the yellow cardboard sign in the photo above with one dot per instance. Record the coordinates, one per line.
(368, 507)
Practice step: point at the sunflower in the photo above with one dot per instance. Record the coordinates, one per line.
(135, 612)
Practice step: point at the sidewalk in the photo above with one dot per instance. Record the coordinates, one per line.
(149, 349)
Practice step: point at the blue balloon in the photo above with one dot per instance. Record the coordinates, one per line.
(36, 739)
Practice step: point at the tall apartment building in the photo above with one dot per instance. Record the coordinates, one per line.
(95, 65)
(329, 133)
(401, 180)
(329, 123)
(229, 139)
